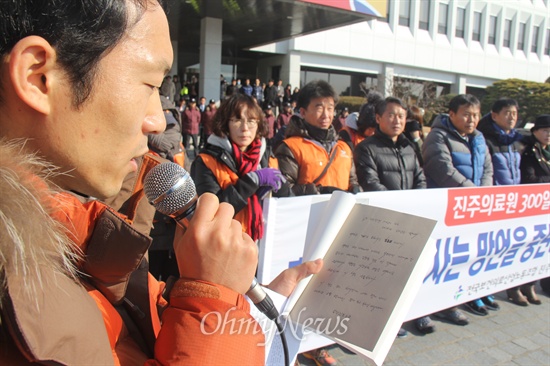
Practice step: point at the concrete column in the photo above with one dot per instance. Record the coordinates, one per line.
(459, 86)
(385, 80)
(210, 57)
(393, 11)
(290, 71)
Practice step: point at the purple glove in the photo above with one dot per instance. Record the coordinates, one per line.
(268, 177)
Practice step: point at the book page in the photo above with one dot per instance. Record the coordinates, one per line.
(364, 275)
(326, 229)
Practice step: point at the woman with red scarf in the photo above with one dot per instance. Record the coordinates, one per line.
(236, 163)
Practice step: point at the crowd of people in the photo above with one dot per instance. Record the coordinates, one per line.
(315, 150)
(278, 104)
(74, 227)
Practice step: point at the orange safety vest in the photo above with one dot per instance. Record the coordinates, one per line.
(356, 137)
(312, 159)
(226, 177)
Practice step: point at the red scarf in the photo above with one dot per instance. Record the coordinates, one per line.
(247, 161)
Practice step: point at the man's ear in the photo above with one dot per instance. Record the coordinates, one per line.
(32, 70)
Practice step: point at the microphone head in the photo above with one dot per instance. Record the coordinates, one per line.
(170, 189)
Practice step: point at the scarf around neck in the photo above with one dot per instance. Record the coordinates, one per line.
(247, 161)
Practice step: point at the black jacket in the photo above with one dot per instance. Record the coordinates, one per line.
(534, 168)
(382, 165)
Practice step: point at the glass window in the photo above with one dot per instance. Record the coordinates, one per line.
(442, 21)
(521, 36)
(492, 29)
(460, 22)
(547, 48)
(404, 13)
(535, 40)
(507, 33)
(424, 22)
(315, 75)
(371, 82)
(476, 34)
(361, 84)
(341, 83)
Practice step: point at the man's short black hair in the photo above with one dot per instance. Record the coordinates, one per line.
(315, 89)
(462, 99)
(501, 103)
(81, 32)
(380, 107)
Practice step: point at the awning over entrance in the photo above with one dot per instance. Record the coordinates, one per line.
(251, 23)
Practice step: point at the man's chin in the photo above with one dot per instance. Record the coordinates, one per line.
(101, 191)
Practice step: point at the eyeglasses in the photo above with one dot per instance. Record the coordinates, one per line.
(251, 123)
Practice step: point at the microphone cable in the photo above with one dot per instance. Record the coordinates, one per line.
(264, 303)
(281, 331)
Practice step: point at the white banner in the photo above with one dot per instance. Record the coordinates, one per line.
(487, 239)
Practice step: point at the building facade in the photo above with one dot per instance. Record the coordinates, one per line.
(461, 45)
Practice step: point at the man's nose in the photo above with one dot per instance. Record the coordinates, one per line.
(154, 121)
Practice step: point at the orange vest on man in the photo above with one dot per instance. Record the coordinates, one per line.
(313, 158)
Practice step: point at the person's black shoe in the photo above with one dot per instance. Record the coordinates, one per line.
(490, 303)
(477, 307)
(425, 325)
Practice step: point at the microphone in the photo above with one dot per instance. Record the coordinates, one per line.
(171, 190)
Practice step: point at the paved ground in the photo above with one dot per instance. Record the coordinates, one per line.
(513, 335)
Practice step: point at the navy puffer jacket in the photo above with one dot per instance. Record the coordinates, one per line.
(505, 149)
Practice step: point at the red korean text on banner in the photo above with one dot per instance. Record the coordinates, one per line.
(475, 205)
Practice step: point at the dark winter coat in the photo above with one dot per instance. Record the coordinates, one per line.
(190, 121)
(270, 96)
(534, 167)
(505, 149)
(384, 165)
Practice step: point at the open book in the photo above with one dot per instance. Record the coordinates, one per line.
(375, 260)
